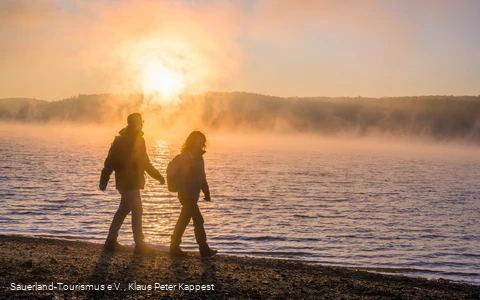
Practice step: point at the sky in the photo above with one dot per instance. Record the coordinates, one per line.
(55, 49)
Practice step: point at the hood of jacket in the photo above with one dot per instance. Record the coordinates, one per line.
(127, 131)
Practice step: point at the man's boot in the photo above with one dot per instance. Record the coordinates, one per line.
(113, 246)
(143, 249)
(206, 251)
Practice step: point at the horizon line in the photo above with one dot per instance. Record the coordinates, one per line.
(244, 92)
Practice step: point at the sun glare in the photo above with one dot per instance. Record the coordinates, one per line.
(157, 78)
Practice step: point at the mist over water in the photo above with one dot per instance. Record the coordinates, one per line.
(430, 118)
(393, 206)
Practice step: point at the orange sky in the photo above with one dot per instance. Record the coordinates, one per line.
(53, 49)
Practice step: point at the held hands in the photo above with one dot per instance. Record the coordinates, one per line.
(207, 197)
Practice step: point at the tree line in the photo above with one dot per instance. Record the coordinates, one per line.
(438, 117)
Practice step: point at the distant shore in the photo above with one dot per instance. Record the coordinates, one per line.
(51, 268)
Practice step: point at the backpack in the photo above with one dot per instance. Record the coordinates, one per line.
(172, 171)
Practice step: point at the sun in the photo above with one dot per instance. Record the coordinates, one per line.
(157, 78)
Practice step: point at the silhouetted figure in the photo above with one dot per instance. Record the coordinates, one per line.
(128, 158)
(190, 179)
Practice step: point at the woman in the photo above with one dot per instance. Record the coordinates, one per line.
(191, 180)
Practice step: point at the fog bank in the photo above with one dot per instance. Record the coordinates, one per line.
(434, 118)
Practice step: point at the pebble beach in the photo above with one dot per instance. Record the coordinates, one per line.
(41, 268)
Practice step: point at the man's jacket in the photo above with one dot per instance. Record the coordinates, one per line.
(128, 158)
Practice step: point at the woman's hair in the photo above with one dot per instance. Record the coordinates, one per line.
(191, 139)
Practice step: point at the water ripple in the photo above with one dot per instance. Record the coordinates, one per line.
(409, 214)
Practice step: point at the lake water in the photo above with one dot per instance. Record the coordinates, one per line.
(394, 208)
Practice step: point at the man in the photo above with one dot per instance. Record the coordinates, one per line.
(128, 158)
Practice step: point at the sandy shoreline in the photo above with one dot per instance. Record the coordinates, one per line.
(81, 270)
